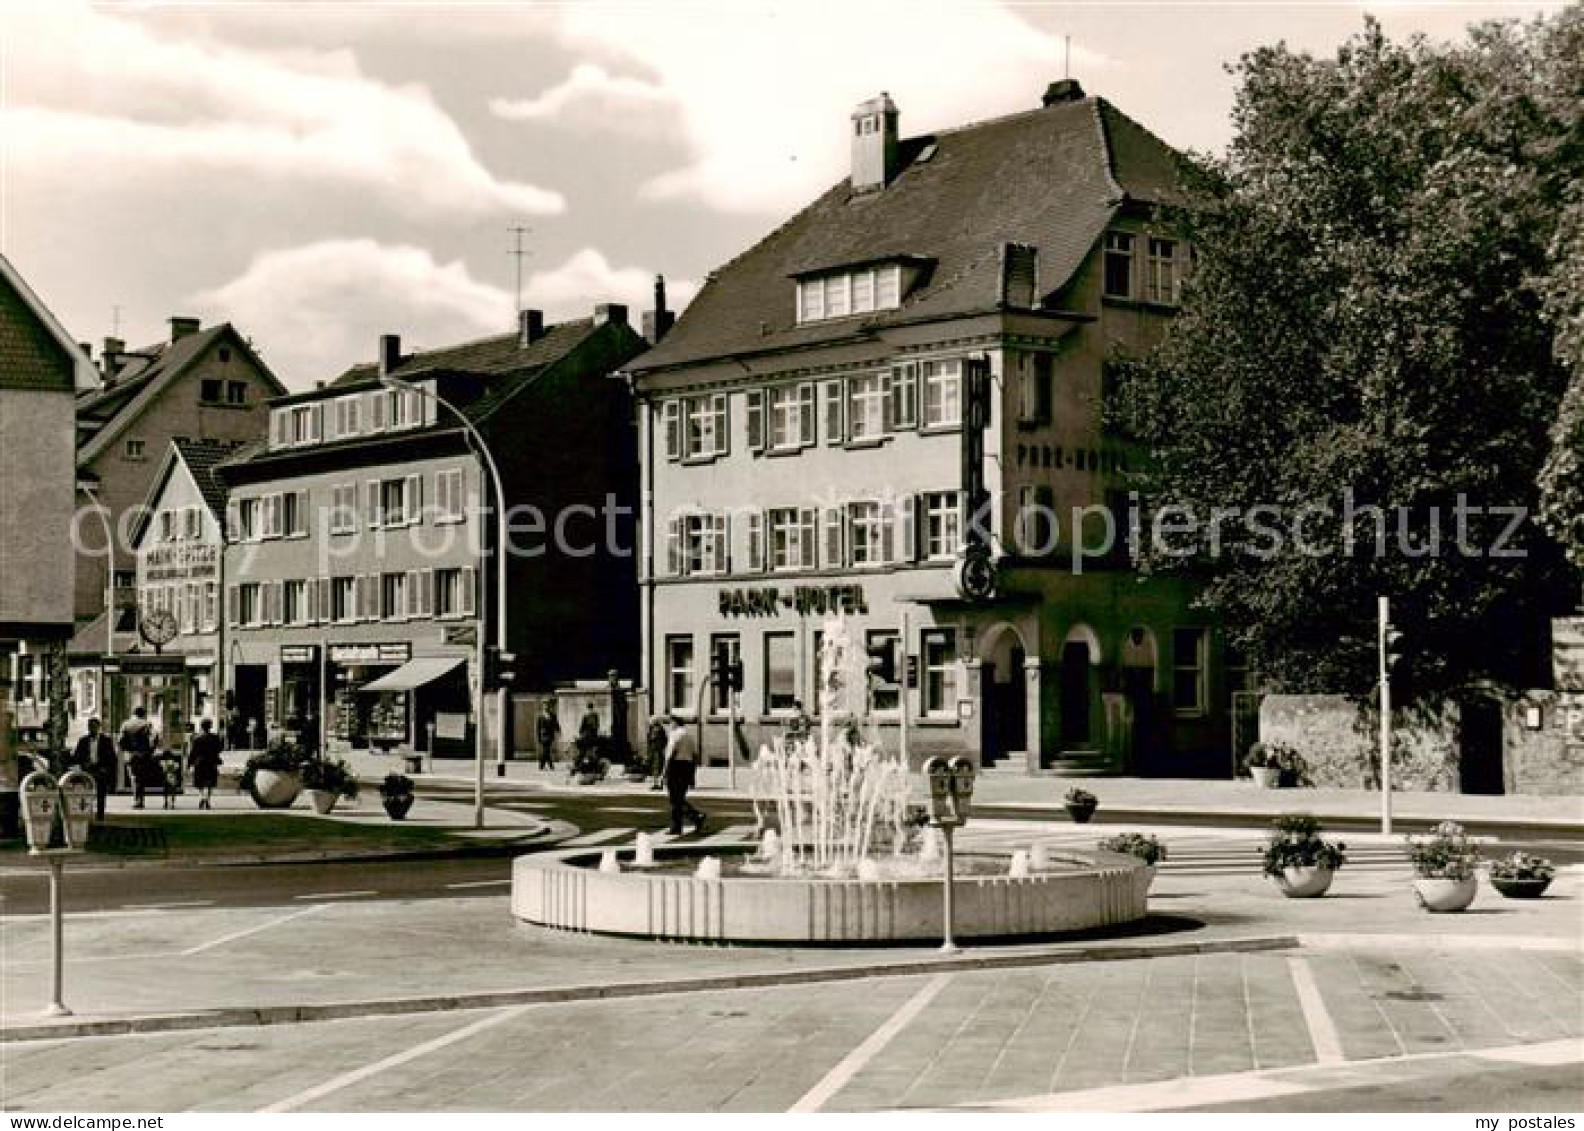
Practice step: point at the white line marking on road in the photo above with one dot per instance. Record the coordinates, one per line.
(478, 884)
(1322, 1031)
(336, 894)
(853, 1063)
(1569, 1050)
(599, 837)
(171, 906)
(357, 1075)
(242, 934)
(1157, 1095)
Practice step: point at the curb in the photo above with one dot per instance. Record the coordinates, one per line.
(251, 1016)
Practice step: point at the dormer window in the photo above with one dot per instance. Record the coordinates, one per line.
(844, 293)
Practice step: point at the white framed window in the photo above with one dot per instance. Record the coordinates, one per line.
(193, 524)
(679, 675)
(811, 300)
(842, 293)
(888, 287)
(704, 549)
(866, 397)
(1188, 670)
(294, 602)
(705, 427)
(868, 534)
(250, 605)
(167, 526)
(448, 593)
(793, 534)
(250, 526)
(273, 516)
(1118, 268)
(942, 393)
(449, 501)
(723, 647)
(393, 502)
(780, 671)
(343, 599)
(939, 661)
(134, 450)
(942, 525)
(393, 596)
(294, 514)
(348, 416)
(838, 296)
(1160, 277)
(398, 409)
(211, 606)
(343, 508)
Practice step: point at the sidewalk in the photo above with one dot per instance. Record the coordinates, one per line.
(1012, 788)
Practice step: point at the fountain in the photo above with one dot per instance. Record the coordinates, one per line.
(839, 858)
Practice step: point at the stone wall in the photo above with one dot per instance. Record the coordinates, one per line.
(1543, 744)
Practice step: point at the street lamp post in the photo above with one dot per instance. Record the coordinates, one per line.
(488, 461)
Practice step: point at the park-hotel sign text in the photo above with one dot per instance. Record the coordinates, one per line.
(805, 600)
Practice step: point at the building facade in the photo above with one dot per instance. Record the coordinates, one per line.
(40, 369)
(893, 408)
(360, 564)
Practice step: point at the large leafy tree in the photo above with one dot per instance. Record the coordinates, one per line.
(1367, 328)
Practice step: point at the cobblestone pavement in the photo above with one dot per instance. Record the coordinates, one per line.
(1013, 1038)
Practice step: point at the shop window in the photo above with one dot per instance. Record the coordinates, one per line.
(679, 674)
(727, 649)
(939, 653)
(780, 671)
(1188, 670)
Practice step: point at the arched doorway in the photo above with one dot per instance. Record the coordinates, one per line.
(1079, 655)
(1004, 726)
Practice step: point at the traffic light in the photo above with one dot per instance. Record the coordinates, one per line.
(499, 668)
(1394, 651)
(725, 671)
(882, 660)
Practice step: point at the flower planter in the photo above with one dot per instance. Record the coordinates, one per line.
(1441, 895)
(1304, 882)
(276, 789)
(588, 779)
(1266, 777)
(1532, 888)
(322, 800)
(1081, 813)
(396, 807)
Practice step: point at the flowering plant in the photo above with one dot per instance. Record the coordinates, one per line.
(1295, 842)
(1147, 848)
(1081, 797)
(1522, 866)
(1447, 854)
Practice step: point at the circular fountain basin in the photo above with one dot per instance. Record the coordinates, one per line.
(1081, 891)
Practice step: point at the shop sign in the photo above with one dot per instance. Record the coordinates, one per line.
(146, 665)
(186, 562)
(299, 653)
(1054, 457)
(460, 634)
(804, 600)
(371, 653)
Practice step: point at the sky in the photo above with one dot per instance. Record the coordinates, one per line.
(321, 173)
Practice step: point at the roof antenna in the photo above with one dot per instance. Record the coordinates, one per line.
(517, 252)
(115, 321)
(1066, 56)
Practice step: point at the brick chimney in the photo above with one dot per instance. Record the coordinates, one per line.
(110, 358)
(658, 322)
(874, 144)
(1063, 90)
(181, 326)
(610, 312)
(530, 327)
(389, 353)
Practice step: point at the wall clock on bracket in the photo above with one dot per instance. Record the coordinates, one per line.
(976, 575)
(158, 627)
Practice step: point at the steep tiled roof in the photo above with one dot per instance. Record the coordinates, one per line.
(31, 357)
(484, 356)
(1051, 177)
(201, 457)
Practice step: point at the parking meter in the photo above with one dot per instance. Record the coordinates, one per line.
(961, 775)
(77, 791)
(40, 809)
(938, 774)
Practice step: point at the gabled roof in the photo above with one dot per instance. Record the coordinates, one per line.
(35, 350)
(200, 457)
(144, 380)
(1052, 177)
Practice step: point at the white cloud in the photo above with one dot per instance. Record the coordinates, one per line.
(764, 90)
(95, 90)
(590, 94)
(316, 309)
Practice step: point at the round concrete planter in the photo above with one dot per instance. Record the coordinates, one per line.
(322, 800)
(1266, 777)
(1441, 895)
(276, 789)
(567, 890)
(1520, 889)
(1304, 883)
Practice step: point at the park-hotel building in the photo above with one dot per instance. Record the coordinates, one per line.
(820, 426)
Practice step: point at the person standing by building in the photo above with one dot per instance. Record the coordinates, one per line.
(655, 747)
(681, 767)
(236, 729)
(260, 734)
(203, 758)
(547, 729)
(96, 756)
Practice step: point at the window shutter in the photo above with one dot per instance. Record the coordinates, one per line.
(469, 597)
(376, 413)
(233, 606)
(887, 409)
(756, 420)
(832, 558)
(426, 589)
(414, 593)
(311, 601)
(276, 591)
(904, 395)
(671, 425)
(302, 512)
(325, 609)
(807, 426)
(414, 494)
(316, 422)
(233, 526)
(835, 433)
(887, 533)
(756, 540)
(907, 528)
(722, 543)
(808, 537)
(722, 423)
(278, 421)
(674, 547)
(371, 505)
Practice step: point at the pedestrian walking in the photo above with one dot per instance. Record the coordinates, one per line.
(655, 743)
(137, 747)
(203, 759)
(144, 769)
(681, 768)
(236, 730)
(260, 734)
(170, 767)
(95, 755)
(547, 729)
